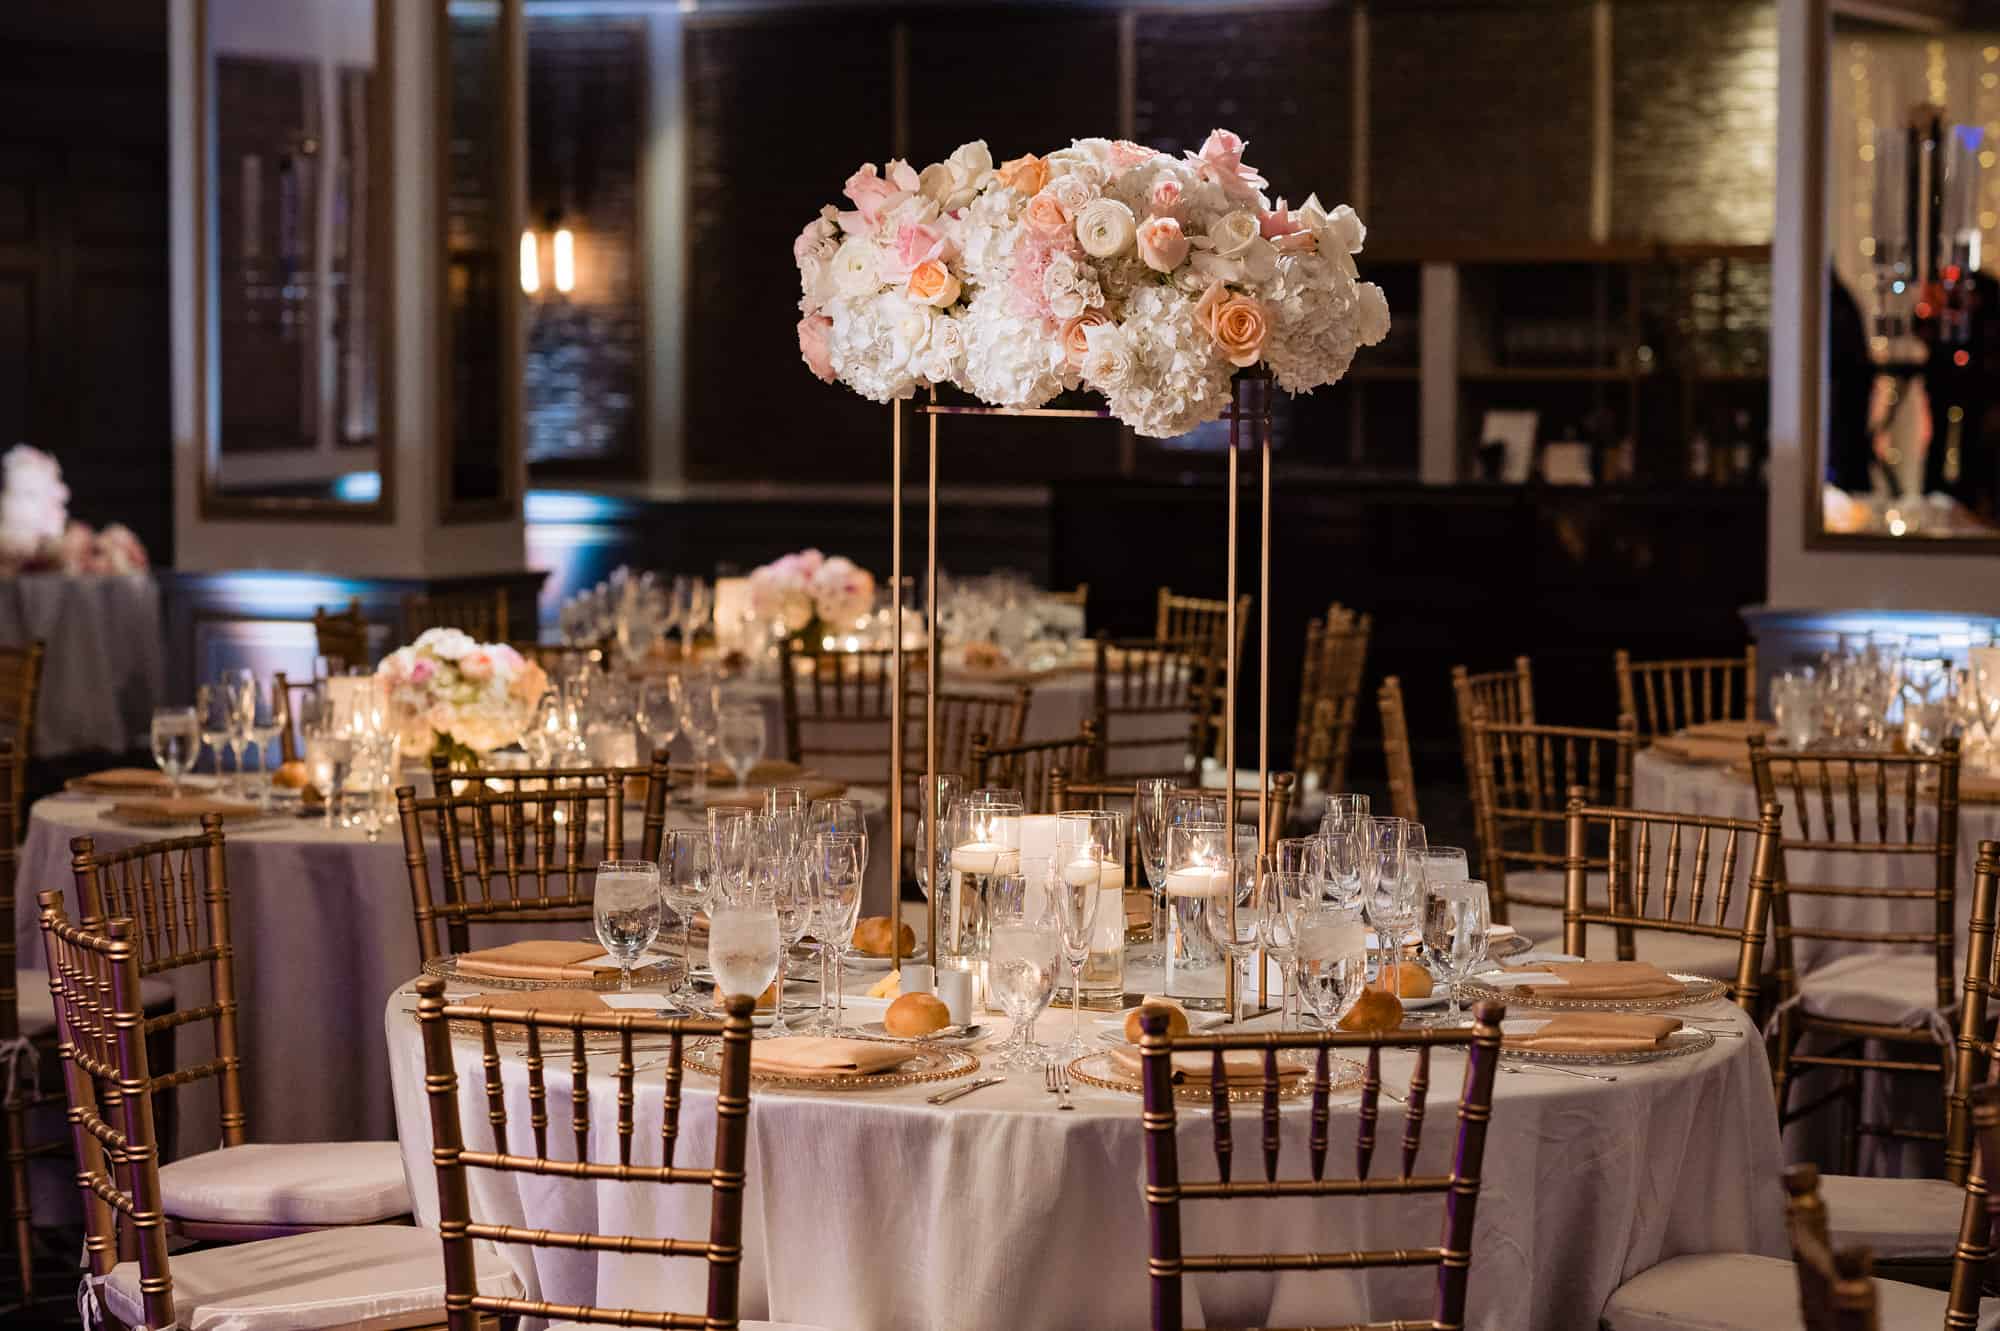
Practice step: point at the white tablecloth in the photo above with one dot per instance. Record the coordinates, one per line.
(101, 677)
(876, 1211)
(324, 933)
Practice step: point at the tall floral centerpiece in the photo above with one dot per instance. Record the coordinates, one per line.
(459, 698)
(810, 597)
(1107, 265)
(37, 535)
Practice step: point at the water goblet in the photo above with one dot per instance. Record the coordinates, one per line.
(1456, 915)
(626, 907)
(1021, 973)
(684, 883)
(739, 734)
(1332, 961)
(928, 859)
(173, 734)
(213, 713)
(697, 700)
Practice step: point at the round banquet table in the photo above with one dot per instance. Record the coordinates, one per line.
(102, 676)
(323, 927)
(876, 1210)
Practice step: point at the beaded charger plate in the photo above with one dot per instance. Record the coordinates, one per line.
(1687, 1040)
(662, 972)
(1295, 1073)
(1696, 990)
(926, 1063)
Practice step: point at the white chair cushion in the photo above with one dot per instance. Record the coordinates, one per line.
(38, 1009)
(1893, 1217)
(741, 1326)
(1892, 988)
(303, 1183)
(371, 1277)
(1734, 1291)
(1679, 954)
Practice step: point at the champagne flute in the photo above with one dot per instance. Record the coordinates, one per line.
(239, 698)
(731, 833)
(1231, 917)
(267, 726)
(929, 860)
(1385, 881)
(213, 715)
(626, 906)
(697, 700)
(1078, 891)
(1278, 909)
(174, 731)
(791, 897)
(684, 882)
(1149, 825)
(739, 733)
(837, 864)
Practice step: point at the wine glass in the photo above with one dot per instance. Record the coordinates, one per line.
(1087, 843)
(1277, 909)
(1297, 854)
(1021, 973)
(739, 733)
(743, 947)
(697, 700)
(731, 834)
(1389, 889)
(1332, 960)
(1345, 812)
(626, 906)
(1456, 913)
(791, 895)
(942, 792)
(1337, 866)
(783, 822)
(267, 725)
(684, 882)
(174, 731)
(658, 719)
(838, 859)
(1230, 917)
(213, 714)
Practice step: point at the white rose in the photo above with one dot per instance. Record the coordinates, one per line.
(973, 159)
(1073, 191)
(1259, 260)
(1105, 228)
(1372, 316)
(854, 268)
(1231, 235)
(909, 334)
(1109, 364)
(947, 350)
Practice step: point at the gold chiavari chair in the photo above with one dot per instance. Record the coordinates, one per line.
(1336, 652)
(1647, 908)
(1078, 794)
(1001, 717)
(1522, 778)
(1895, 983)
(1165, 1191)
(1079, 596)
(1668, 696)
(27, 1033)
(1396, 750)
(1200, 622)
(836, 706)
(20, 695)
(516, 845)
(176, 894)
(375, 1275)
(1504, 697)
(1036, 767)
(480, 614)
(342, 635)
(1738, 1291)
(1148, 695)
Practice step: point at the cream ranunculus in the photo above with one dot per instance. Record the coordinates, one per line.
(1105, 228)
(1230, 235)
(855, 272)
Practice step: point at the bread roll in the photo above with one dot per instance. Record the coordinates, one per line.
(291, 775)
(1177, 1021)
(916, 1014)
(1410, 979)
(768, 1000)
(872, 937)
(1375, 1010)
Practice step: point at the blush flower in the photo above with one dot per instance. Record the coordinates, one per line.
(1162, 244)
(1221, 161)
(814, 346)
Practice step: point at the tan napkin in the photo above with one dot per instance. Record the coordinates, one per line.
(816, 1056)
(1596, 1033)
(121, 781)
(543, 1003)
(533, 959)
(752, 796)
(1709, 750)
(1732, 730)
(168, 811)
(1599, 979)
(1242, 1067)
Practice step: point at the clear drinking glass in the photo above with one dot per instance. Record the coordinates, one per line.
(1199, 857)
(1345, 812)
(1277, 908)
(329, 755)
(731, 843)
(684, 882)
(1456, 915)
(658, 719)
(1389, 889)
(626, 906)
(1021, 974)
(238, 689)
(213, 714)
(791, 896)
(697, 700)
(1091, 845)
(838, 862)
(1332, 961)
(743, 948)
(1231, 917)
(1149, 826)
(739, 734)
(985, 840)
(174, 732)
(1078, 890)
(942, 792)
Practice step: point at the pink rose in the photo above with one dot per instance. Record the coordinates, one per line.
(1126, 154)
(1237, 323)
(476, 665)
(813, 332)
(1166, 196)
(1279, 221)
(1162, 244)
(870, 193)
(916, 244)
(421, 669)
(1221, 160)
(1075, 339)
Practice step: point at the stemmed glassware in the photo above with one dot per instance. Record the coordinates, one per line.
(684, 882)
(697, 699)
(1021, 968)
(791, 894)
(238, 695)
(1389, 888)
(1149, 824)
(1277, 911)
(626, 906)
(658, 719)
(943, 792)
(265, 727)
(1332, 961)
(1082, 866)
(731, 847)
(1345, 812)
(329, 751)
(1231, 917)
(838, 863)
(174, 733)
(739, 733)
(743, 947)
(212, 711)
(1456, 914)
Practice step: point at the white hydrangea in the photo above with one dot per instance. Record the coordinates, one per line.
(1008, 360)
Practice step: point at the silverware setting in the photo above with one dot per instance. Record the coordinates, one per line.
(1056, 1077)
(946, 1097)
(1517, 1069)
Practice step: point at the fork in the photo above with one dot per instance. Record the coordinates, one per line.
(1056, 1077)
(1515, 1069)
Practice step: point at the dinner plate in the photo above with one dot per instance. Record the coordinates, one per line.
(928, 1062)
(1687, 1040)
(862, 961)
(658, 972)
(1294, 1078)
(1697, 989)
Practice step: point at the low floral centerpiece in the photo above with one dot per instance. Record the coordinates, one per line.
(37, 534)
(811, 598)
(1107, 265)
(459, 698)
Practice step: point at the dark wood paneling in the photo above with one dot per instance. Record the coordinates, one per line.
(17, 355)
(967, 81)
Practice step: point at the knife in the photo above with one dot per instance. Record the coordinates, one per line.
(946, 1097)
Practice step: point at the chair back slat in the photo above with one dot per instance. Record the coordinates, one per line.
(1332, 664)
(1627, 903)
(1396, 750)
(554, 808)
(1413, 1112)
(1973, 1061)
(1836, 1290)
(1522, 775)
(1167, 1264)
(481, 614)
(1973, 1254)
(1925, 785)
(1669, 696)
(1038, 768)
(1151, 693)
(1218, 1098)
(1504, 697)
(21, 670)
(721, 1251)
(10, 969)
(1371, 1096)
(1321, 1115)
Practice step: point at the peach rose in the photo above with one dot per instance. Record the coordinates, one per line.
(1045, 214)
(1075, 339)
(1162, 244)
(1026, 173)
(1237, 323)
(932, 283)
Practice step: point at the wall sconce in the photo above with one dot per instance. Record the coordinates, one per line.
(531, 264)
(562, 259)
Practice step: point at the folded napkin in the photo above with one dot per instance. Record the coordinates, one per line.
(548, 1002)
(1736, 730)
(121, 781)
(533, 959)
(752, 796)
(1240, 1067)
(1595, 1033)
(1595, 979)
(816, 1056)
(1708, 750)
(167, 811)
